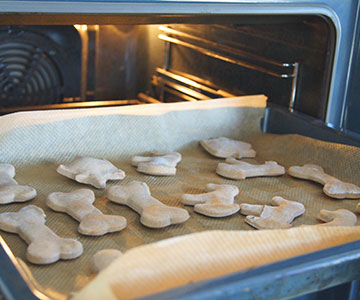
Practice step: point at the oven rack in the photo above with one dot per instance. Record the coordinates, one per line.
(184, 86)
(240, 57)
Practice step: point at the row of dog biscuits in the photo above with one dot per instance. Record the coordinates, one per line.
(217, 203)
(97, 172)
(234, 169)
(268, 217)
(29, 222)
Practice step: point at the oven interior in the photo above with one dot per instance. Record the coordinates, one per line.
(142, 60)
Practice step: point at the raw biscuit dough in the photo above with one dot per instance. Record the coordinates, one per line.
(218, 202)
(224, 147)
(10, 190)
(333, 187)
(91, 171)
(154, 214)
(79, 205)
(279, 216)
(236, 169)
(45, 246)
(163, 164)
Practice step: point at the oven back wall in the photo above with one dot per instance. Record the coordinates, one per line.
(120, 65)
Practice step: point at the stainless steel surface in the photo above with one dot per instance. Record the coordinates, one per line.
(16, 282)
(183, 89)
(222, 57)
(147, 98)
(86, 104)
(219, 46)
(183, 96)
(294, 86)
(193, 84)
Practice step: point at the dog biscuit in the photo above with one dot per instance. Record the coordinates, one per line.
(79, 205)
(45, 246)
(163, 164)
(236, 169)
(223, 147)
(333, 187)
(91, 171)
(154, 214)
(10, 190)
(278, 216)
(218, 202)
(340, 217)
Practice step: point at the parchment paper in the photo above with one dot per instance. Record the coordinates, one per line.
(36, 142)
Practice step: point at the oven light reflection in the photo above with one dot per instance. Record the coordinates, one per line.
(81, 27)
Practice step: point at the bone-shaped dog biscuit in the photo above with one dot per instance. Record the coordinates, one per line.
(10, 190)
(340, 217)
(159, 164)
(78, 204)
(154, 214)
(45, 246)
(91, 171)
(278, 216)
(333, 187)
(104, 258)
(218, 202)
(236, 169)
(224, 147)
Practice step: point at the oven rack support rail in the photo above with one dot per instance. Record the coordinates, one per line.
(243, 58)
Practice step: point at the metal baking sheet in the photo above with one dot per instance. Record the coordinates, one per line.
(37, 142)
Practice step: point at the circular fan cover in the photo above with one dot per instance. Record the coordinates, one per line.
(28, 75)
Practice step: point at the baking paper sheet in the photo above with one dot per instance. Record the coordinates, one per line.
(36, 142)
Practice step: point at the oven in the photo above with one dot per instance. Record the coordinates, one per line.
(303, 55)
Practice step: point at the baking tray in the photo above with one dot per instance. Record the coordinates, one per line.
(36, 142)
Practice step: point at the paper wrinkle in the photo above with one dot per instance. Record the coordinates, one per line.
(207, 255)
(21, 119)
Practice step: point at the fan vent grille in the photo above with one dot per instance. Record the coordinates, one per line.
(28, 76)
